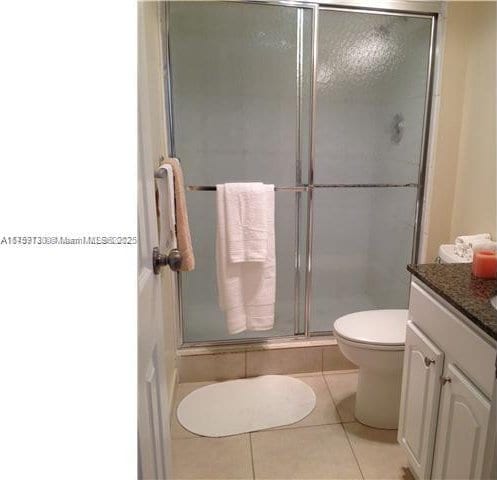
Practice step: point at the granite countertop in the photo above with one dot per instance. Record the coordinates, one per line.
(455, 284)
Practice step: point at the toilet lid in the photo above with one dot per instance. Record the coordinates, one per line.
(380, 327)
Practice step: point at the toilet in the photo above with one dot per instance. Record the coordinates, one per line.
(374, 340)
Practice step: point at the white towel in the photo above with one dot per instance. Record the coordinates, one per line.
(247, 290)
(246, 209)
(463, 250)
(484, 245)
(470, 239)
(464, 244)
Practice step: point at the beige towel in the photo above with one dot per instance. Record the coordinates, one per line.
(182, 225)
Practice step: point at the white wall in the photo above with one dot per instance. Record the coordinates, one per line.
(463, 196)
(475, 190)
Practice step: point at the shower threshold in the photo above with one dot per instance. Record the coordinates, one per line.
(259, 344)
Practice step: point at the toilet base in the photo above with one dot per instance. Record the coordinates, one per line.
(378, 398)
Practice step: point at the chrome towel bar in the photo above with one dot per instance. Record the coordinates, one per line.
(212, 188)
(363, 185)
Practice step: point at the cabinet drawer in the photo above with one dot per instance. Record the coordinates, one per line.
(470, 352)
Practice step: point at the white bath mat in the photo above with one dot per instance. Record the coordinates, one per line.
(246, 405)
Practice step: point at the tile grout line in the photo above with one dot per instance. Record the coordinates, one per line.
(340, 372)
(353, 451)
(272, 429)
(252, 455)
(333, 400)
(283, 427)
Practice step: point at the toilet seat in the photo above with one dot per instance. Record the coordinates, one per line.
(375, 329)
(370, 346)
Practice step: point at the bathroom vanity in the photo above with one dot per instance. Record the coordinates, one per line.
(447, 414)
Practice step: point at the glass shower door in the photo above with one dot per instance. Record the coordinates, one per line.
(372, 76)
(241, 76)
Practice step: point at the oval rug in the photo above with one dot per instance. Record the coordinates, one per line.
(246, 405)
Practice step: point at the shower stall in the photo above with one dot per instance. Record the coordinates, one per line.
(331, 105)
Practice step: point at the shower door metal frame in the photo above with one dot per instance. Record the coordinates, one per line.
(429, 10)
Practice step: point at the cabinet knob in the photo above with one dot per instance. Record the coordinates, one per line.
(445, 380)
(428, 361)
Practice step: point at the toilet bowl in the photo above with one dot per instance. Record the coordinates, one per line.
(374, 340)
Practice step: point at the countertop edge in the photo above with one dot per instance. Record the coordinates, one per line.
(489, 331)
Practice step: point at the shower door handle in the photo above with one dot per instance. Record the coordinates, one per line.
(173, 259)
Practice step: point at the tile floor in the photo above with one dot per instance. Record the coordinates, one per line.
(327, 444)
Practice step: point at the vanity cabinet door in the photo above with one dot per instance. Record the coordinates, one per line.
(423, 366)
(462, 428)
